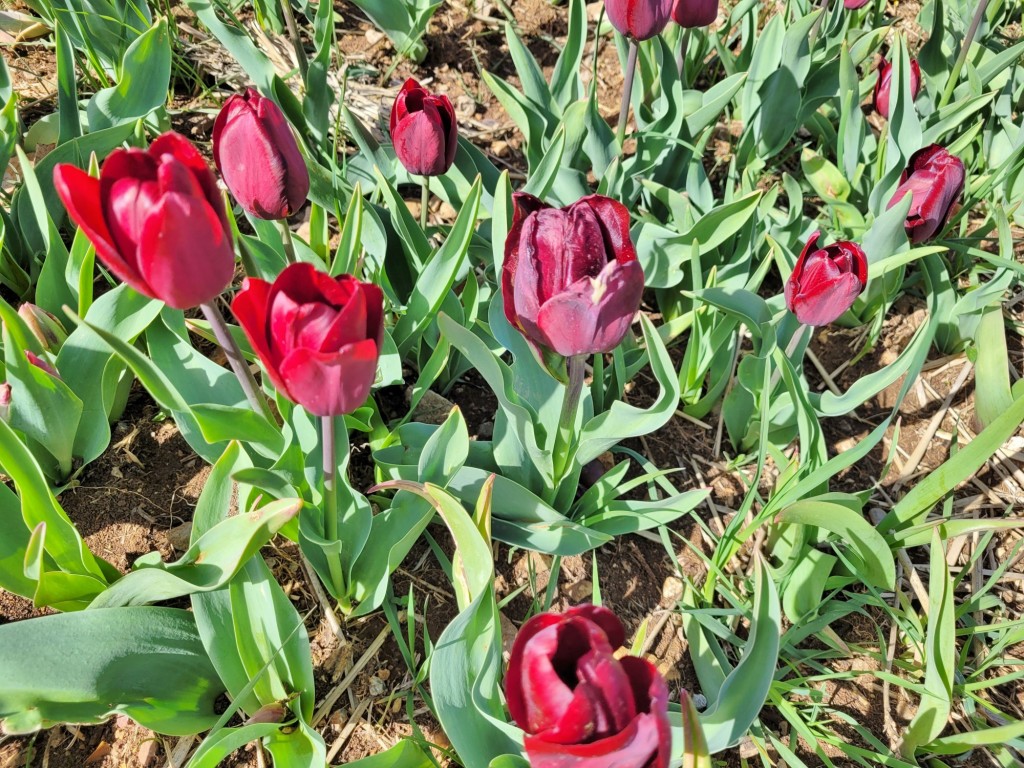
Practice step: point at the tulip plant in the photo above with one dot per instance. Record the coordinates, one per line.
(777, 184)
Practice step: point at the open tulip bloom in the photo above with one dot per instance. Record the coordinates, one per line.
(578, 703)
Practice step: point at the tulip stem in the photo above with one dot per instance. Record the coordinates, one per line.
(627, 91)
(293, 33)
(330, 466)
(567, 419)
(954, 76)
(287, 242)
(253, 393)
(424, 203)
(684, 43)
(794, 341)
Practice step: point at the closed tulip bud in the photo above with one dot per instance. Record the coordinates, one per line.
(851, 5)
(571, 281)
(694, 13)
(256, 153)
(639, 19)
(41, 364)
(825, 281)
(935, 179)
(423, 130)
(5, 401)
(580, 705)
(157, 220)
(884, 83)
(318, 337)
(44, 326)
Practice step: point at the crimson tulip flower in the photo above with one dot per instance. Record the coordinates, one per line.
(694, 13)
(580, 705)
(423, 130)
(318, 337)
(157, 220)
(884, 84)
(851, 5)
(571, 281)
(935, 179)
(825, 281)
(639, 19)
(256, 153)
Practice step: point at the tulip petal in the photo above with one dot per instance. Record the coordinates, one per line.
(636, 746)
(182, 150)
(80, 194)
(183, 274)
(250, 308)
(331, 383)
(593, 314)
(514, 675)
(829, 301)
(419, 141)
(613, 217)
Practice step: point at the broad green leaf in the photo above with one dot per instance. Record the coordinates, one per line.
(864, 546)
(208, 564)
(145, 73)
(144, 662)
(745, 689)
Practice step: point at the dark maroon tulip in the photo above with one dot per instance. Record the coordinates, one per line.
(935, 178)
(694, 13)
(825, 281)
(577, 703)
(423, 130)
(851, 5)
(157, 220)
(571, 282)
(318, 336)
(639, 19)
(884, 82)
(256, 153)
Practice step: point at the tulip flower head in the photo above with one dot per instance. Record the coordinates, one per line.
(423, 130)
(851, 5)
(318, 337)
(580, 705)
(571, 281)
(935, 178)
(256, 153)
(884, 84)
(825, 281)
(157, 220)
(694, 13)
(639, 19)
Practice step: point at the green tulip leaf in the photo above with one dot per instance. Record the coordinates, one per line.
(144, 662)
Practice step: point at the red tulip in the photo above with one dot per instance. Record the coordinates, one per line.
(256, 153)
(318, 336)
(694, 13)
(935, 178)
(639, 19)
(579, 705)
(884, 82)
(571, 281)
(854, 4)
(157, 220)
(423, 130)
(825, 281)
